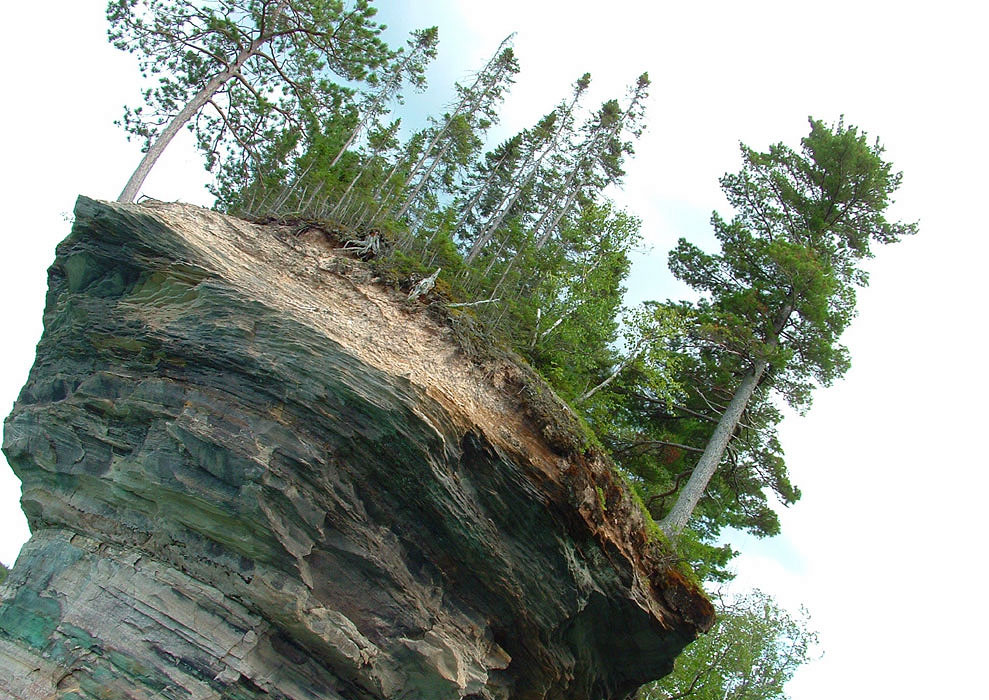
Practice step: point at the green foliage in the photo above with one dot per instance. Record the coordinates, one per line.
(776, 297)
(246, 75)
(753, 650)
(3, 573)
(526, 242)
(782, 288)
(533, 256)
(707, 560)
(571, 297)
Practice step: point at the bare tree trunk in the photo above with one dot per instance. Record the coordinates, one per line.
(346, 192)
(551, 207)
(480, 76)
(379, 190)
(674, 521)
(501, 210)
(422, 181)
(133, 186)
(347, 144)
(504, 275)
(378, 104)
(290, 189)
(611, 377)
(385, 204)
(475, 103)
(360, 173)
(586, 151)
(714, 451)
(465, 211)
(478, 245)
(509, 202)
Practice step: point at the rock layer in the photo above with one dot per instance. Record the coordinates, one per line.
(250, 472)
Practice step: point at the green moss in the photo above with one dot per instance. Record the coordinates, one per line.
(653, 529)
(398, 268)
(602, 499)
(657, 536)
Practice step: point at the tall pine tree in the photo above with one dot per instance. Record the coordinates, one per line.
(781, 290)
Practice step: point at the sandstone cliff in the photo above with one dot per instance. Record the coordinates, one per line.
(251, 472)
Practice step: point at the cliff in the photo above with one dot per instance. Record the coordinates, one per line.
(250, 471)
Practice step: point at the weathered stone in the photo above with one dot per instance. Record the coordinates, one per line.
(251, 473)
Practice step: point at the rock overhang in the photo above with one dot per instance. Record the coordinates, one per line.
(242, 409)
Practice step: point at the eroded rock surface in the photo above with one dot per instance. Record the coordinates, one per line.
(251, 472)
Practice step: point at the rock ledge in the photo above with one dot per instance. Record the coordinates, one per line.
(252, 473)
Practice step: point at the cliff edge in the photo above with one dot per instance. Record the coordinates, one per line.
(252, 472)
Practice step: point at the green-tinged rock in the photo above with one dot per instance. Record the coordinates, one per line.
(251, 472)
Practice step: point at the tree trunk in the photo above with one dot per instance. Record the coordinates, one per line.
(551, 207)
(388, 91)
(410, 200)
(466, 209)
(502, 209)
(349, 142)
(547, 234)
(536, 167)
(474, 105)
(155, 150)
(714, 451)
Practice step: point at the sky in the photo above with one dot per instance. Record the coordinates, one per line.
(885, 547)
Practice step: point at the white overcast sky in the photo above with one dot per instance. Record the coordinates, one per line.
(887, 545)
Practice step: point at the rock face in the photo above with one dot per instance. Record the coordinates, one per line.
(251, 472)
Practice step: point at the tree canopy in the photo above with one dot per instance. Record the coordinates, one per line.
(753, 649)
(240, 72)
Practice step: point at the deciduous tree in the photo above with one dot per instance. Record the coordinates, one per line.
(751, 652)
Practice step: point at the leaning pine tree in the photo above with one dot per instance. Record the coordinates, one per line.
(240, 71)
(782, 289)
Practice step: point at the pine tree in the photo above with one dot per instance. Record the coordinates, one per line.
(409, 67)
(241, 72)
(782, 289)
(597, 160)
(540, 142)
(475, 112)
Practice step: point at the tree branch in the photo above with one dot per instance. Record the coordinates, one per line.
(659, 443)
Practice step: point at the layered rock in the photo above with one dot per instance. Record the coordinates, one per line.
(250, 472)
